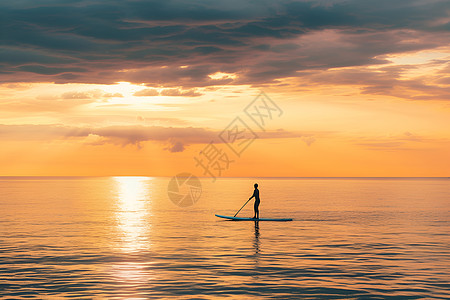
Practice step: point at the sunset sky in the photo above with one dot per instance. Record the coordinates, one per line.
(142, 87)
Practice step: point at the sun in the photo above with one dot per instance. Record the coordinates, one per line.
(127, 89)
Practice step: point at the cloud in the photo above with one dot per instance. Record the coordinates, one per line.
(178, 138)
(309, 140)
(176, 147)
(39, 69)
(43, 103)
(381, 145)
(137, 134)
(92, 94)
(259, 41)
(112, 95)
(390, 80)
(146, 92)
(82, 95)
(159, 120)
(172, 92)
(54, 102)
(179, 92)
(40, 132)
(402, 141)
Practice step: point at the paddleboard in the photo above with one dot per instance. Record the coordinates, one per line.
(251, 219)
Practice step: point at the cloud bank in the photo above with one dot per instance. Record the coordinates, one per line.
(178, 43)
(177, 138)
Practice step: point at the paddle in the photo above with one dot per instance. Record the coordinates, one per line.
(242, 207)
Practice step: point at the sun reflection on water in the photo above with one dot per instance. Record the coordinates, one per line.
(133, 212)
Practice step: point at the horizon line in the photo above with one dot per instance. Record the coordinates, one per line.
(225, 177)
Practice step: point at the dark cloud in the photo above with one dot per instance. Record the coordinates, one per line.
(14, 56)
(148, 41)
(176, 147)
(48, 71)
(390, 81)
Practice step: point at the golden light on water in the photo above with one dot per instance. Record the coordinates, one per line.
(132, 219)
(133, 212)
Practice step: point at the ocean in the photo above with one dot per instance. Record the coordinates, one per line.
(124, 238)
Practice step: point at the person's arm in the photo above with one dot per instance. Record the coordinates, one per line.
(252, 195)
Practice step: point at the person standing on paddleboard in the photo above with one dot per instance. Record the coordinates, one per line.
(257, 200)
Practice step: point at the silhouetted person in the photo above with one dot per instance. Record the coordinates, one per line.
(257, 200)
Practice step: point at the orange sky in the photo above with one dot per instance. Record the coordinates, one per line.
(373, 102)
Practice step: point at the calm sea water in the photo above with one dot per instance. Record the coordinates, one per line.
(123, 238)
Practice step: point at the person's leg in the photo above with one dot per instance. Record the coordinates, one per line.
(257, 209)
